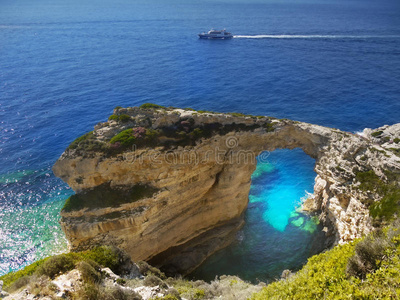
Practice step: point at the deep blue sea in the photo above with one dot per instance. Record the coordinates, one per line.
(64, 65)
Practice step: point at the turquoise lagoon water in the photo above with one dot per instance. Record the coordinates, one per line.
(276, 235)
(64, 65)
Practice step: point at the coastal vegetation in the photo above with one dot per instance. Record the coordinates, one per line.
(124, 138)
(87, 143)
(367, 268)
(94, 282)
(151, 106)
(105, 256)
(138, 136)
(182, 133)
(356, 269)
(364, 269)
(389, 190)
(376, 133)
(120, 118)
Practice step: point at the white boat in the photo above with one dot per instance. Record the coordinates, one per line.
(216, 35)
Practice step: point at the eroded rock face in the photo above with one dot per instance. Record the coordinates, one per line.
(202, 188)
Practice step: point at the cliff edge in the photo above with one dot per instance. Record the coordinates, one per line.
(170, 185)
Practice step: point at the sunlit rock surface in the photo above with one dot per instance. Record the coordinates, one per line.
(198, 167)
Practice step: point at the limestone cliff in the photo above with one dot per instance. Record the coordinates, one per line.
(170, 186)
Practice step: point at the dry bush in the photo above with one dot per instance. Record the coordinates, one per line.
(91, 291)
(19, 283)
(117, 293)
(42, 287)
(153, 280)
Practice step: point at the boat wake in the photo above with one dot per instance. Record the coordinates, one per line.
(295, 36)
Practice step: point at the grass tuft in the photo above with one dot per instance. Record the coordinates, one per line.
(151, 106)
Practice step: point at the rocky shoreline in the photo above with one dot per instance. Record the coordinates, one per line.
(185, 178)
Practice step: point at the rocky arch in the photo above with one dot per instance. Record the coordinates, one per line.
(193, 196)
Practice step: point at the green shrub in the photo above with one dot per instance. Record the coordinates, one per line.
(113, 117)
(56, 265)
(376, 133)
(376, 259)
(88, 143)
(12, 277)
(190, 292)
(124, 118)
(125, 138)
(396, 140)
(369, 181)
(196, 133)
(238, 114)
(80, 139)
(206, 112)
(269, 127)
(173, 294)
(88, 272)
(388, 206)
(199, 294)
(120, 118)
(106, 256)
(150, 106)
(152, 280)
(146, 269)
(323, 277)
(89, 291)
(152, 134)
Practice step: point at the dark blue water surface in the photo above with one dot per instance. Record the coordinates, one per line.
(64, 65)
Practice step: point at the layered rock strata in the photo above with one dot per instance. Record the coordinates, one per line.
(193, 173)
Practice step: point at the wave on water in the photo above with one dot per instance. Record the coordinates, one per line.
(301, 36)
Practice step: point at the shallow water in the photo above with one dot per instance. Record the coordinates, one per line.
(276, 235)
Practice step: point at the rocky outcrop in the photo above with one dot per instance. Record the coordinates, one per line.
(75, 285)
(197, 167)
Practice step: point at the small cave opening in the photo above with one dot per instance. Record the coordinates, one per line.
(277, 235)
